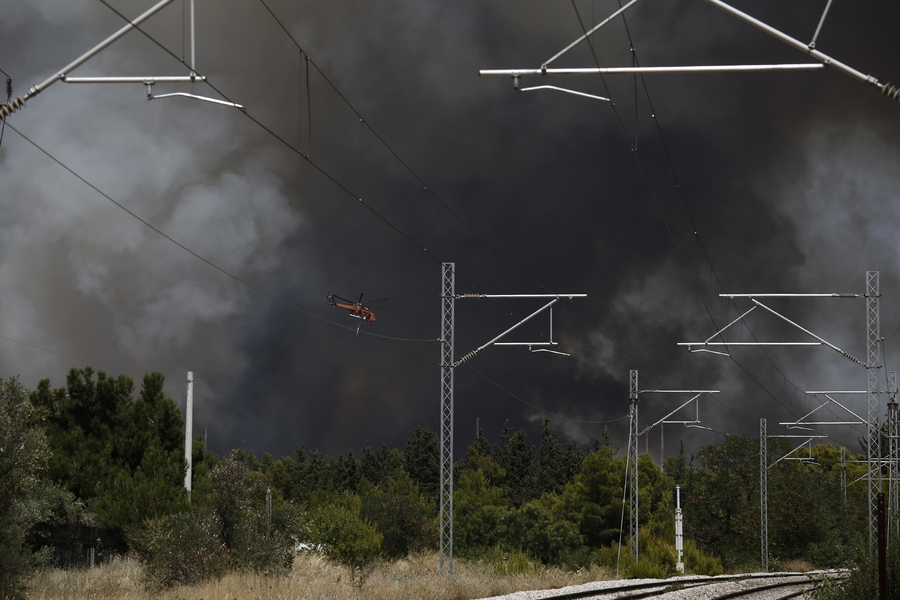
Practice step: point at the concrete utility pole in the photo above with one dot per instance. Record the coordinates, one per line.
(189, 432)
(679, 531)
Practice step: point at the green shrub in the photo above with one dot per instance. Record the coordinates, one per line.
(517, 562)
(336, 524)
(658, 558)
(698, 562)
(400, 514)
(180, 549)
(253, 551)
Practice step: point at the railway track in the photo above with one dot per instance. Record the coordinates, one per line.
(760, 586)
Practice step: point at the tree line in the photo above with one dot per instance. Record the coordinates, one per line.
(99, 452)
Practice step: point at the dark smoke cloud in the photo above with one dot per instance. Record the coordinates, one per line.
(790, 180)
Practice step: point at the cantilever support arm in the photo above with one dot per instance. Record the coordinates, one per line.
(37, 89)
(61, 74)
(887, 89)
(517, 325)
(806, 331)
(672, 413)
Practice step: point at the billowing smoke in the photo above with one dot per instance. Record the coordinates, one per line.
(760, 183)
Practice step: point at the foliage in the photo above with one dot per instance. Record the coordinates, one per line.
(338, 527)
(516, 562)
(23, 458)
(226, 529)
(535, 529)
(515, 455)
(421, 459)
(125, 453)
(180, 549)
(593, 502)
(400, 514)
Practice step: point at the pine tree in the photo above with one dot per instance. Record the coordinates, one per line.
(516, 454)
(421, 459)
(551, 468)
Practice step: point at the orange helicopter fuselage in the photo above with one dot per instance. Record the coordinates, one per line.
(357, 312)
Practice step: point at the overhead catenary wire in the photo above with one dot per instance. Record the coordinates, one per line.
(430, 192)
(453, 213)
(210, 262)
(680, 191)
(308, 61)
(362, 120)
(200, 257)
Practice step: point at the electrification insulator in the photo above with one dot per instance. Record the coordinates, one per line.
(851, 357)
(847, 296)
(467, 357)
(8, 88)
(8, 109)
(892, 92)
(468, 296)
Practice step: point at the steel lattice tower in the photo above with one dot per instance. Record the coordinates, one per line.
(873, 333)
(893, 501)
(633, 463)
(764, 495)
(448, 292)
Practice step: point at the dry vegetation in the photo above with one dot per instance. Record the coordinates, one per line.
(314, 578)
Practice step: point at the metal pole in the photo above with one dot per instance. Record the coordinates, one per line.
(873, 333)
(448, 292)
(193, 43)
(763, 495)
(893, 501)
(633, 464)
(882, 550)
(651, 70)
(189, 432)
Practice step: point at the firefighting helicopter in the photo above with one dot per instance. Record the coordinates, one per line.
(356, 309)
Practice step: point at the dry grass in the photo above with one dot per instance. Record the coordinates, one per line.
(798, 565)
(312, 578)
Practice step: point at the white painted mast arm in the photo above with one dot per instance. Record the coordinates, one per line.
(806, 331)
(586, 35)
(792, 451)
(523, 321)
(823, 58)
(37, 89)
(672, 413)
(651, 70)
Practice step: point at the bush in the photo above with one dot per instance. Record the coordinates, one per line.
(181, 549)
(517, 562)
(23, 457)
(400, 514)
(336, 524)
(254, 552)
(658, 559)
(698, 562)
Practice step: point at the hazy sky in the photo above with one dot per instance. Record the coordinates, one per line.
(685, 186)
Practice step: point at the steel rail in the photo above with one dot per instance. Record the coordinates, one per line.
(665, 586)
